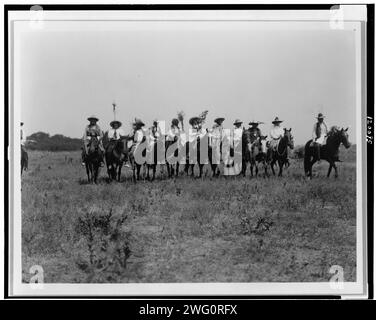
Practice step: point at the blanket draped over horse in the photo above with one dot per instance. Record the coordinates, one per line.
(280, 153)
(328, 151)
(93, 159)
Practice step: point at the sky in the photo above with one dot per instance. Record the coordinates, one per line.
(154, 72)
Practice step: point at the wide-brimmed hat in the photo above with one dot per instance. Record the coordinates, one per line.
(155, 121)
(276, 120)
(238, 121)
(217, 120)
(254, 122)
(138, 122)
(93, 118)
(194, 120)
(112, 123)
(320, 116)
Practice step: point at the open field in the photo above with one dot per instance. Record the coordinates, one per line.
(230, 229)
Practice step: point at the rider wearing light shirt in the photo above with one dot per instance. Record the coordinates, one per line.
(116, 132)
(276, 132)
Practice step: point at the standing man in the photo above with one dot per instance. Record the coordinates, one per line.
(23, 136)
(92, 130)
(319, 133)
(276, 133)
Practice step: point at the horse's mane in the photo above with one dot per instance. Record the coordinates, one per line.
(333, 130)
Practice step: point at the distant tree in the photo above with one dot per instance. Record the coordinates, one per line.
(57, 142)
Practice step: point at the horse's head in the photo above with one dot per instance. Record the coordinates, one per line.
(93, 144)
(338, 136)
(345, 138)
(289, 138)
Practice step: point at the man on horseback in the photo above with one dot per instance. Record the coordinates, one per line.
(254, 130)
(137, 134)
(319, 134)
(115, 132)
(276, 133)
(92, 130)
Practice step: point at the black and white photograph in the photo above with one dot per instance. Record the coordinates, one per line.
(188, 152)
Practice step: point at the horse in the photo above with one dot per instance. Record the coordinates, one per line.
(196, 150)
(172, 170)
(257, 151)
(136, 167)
(328, 152)
(93, 160)
(116, 153)
(24, 160)
(280, 154)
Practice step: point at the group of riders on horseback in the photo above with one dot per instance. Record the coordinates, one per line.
(255, 148)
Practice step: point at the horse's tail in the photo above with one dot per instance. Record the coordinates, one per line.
(307, 156)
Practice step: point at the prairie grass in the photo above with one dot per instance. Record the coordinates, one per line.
(229, 229)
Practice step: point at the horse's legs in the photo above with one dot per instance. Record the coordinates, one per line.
(88, 173)
(200, 166)
(138, 171)
(330, 169)
(119, 171)
(256, 168)
(177, 169)
(169, 169)
(148, 169)
(280, 164)
(335, 170)
(272, 167)
(154, 170)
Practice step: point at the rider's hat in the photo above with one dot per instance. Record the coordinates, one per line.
(138, 122)
(238, 121)
(194, 120)
(276, 120)
(219, 120)
(254, 123)
(175, 122)
(320, 116)
(112, 123)
(93, 118)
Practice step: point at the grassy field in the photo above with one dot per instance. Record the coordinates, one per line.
(187, 230)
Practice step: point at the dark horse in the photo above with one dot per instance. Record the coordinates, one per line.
(328, 152)
(196, 146)
(116, 153)
(172, 169)
(93, 160)
(280, 154)
(24, 160)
